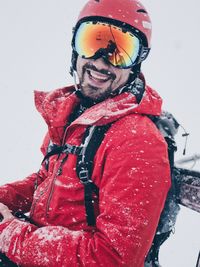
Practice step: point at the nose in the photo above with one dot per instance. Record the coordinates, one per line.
(100, 63)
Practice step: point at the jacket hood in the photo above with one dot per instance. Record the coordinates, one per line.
(56, 107)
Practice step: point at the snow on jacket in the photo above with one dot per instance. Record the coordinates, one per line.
(132, 172)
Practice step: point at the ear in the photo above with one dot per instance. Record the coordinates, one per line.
(73, 61)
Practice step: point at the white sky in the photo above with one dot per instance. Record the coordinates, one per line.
(35, 54)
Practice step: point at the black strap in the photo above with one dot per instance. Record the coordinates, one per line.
(171, 150)
(67, 149)
(153, 255)
(92, 139)
(54, 149)
(198, 260)
(89, 188)
(6, 262)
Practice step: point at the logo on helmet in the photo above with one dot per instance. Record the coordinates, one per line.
(146, 25)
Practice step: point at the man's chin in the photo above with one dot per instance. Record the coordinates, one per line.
(95, 94)
(94, 89)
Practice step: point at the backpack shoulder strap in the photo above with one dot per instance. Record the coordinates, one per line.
(92, 139)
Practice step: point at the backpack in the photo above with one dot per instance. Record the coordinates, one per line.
(183, 181)
(168, 126)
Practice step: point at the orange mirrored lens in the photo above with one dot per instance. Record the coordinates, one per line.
(91, 37)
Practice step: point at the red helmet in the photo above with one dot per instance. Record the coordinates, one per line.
(131, 12)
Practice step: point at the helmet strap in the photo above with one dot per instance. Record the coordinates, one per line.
(75, 77)
(135, 72)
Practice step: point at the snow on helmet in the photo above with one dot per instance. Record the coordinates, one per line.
(131, 12)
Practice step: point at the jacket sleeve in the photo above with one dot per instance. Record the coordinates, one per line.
(19, 195)
(134, 184)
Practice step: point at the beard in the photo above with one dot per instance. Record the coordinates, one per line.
(89, 90)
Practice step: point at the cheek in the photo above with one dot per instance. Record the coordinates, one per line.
(79, 66)
(123, 76)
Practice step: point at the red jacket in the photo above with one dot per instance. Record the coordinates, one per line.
(132, 172)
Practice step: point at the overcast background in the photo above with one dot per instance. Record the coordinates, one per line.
(35, 54)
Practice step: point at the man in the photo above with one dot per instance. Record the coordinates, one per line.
(130, 168)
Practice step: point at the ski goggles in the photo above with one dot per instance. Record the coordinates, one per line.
(120, 47)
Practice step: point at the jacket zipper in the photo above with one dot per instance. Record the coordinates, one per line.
(36, 201)
(57, 173)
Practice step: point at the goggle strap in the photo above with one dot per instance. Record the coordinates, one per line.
(144, 53)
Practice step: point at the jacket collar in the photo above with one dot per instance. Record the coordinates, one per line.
(56, 107)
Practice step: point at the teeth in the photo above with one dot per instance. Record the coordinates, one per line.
(98, 76)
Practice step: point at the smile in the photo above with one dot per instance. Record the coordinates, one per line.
(97, 76)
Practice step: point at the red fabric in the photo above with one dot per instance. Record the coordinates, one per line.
(125, 11)
(131, 169)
